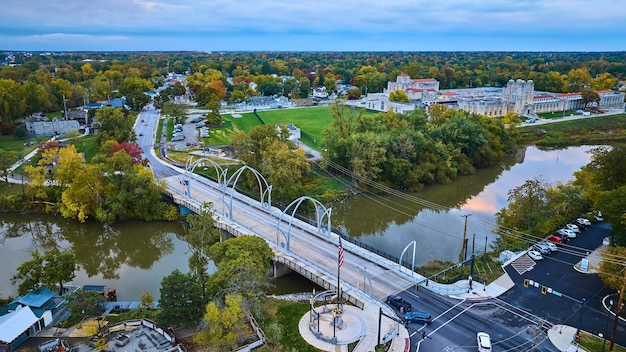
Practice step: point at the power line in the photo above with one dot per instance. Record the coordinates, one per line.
(493, 227)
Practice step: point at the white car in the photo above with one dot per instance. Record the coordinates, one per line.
(598, 216)
(583, 221)
(534, 255)
(567, 233)
(572, 227)
(550, 245)
(484, 342)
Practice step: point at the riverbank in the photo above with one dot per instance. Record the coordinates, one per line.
(574, 130)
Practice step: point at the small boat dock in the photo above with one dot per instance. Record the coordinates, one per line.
(117, 307)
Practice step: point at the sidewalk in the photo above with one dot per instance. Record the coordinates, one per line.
(562, 337)
(356, 325)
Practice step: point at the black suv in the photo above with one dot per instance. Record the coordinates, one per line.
(399, 303)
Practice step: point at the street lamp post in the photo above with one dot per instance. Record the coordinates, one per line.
(580, 319)
(606, 327)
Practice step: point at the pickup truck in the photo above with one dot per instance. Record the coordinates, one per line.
(399, 303)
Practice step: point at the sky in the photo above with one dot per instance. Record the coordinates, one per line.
(321, 25)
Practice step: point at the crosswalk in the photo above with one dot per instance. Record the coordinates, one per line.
(523, 264)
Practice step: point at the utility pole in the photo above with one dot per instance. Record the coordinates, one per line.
(64, 108)
(464, 249)
(618, 309)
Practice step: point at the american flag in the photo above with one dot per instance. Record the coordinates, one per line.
(340, 252)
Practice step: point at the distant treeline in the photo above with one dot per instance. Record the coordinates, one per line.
(45, 81)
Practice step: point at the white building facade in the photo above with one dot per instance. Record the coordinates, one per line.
(518, 97)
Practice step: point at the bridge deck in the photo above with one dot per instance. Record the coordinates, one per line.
(316, 253)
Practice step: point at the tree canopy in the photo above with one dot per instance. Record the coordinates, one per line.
(243, 265)
(181, 300)
(408, 151)
(114, 186)
(115, 124)
(268, 150)
(225, 323)
(50, 269)
(603, 183)
(399, 96)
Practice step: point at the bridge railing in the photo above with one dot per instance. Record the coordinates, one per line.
(318, 279)
(354, 246)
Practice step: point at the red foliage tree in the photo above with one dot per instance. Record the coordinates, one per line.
(50, 145)
(133, 150)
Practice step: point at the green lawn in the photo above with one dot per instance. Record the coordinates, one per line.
(596, 122)
(311, 121)
(170, 129)
(286, 315)
(17, 145)
(592, 343)
(593, 130)
(222, 136)
(557, 114)
(87, 145)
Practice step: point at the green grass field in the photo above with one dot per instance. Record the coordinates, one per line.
(12, 143)
(593, 130)
(596, 122)
(311, 121)
(87, 145)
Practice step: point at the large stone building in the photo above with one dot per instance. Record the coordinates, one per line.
(518, 96)
(39, 126)
(416, 89)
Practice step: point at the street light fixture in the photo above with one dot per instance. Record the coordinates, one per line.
(606, 327)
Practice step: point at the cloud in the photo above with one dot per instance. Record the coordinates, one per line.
(392, 21)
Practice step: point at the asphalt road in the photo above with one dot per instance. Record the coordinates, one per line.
(145, 128)
(455, 324)
(556, 271)
(515, 320)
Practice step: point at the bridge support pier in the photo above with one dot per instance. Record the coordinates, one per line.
(226, 235)
(281, 270)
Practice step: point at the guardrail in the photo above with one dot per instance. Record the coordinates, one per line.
(318, 279)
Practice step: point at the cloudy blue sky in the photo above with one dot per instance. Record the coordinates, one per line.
(322, 25)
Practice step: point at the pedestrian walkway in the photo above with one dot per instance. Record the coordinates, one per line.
(563, 338)
(355, 325)
(590, 263)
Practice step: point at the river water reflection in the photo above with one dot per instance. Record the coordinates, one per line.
(134, 256)
(390, 223)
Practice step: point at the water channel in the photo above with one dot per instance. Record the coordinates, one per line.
(134, 256)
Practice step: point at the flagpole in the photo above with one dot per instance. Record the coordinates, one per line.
(339, 263)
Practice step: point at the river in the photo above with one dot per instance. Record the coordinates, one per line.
(134, 256)
(391, 223)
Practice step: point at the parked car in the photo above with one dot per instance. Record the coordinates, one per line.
(555, 239)
(418, 317)
(177, 138)
(399, 303)
(598, 216)
(567, 233)
(541, 248)
(551, 245)
(572, 227)
(484, 342)
(534, 255)
(583, 221)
